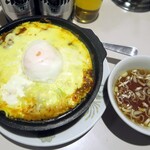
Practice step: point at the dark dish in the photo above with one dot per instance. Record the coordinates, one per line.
(97, 53)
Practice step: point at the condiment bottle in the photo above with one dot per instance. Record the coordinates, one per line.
(57, 8)
(15, 9)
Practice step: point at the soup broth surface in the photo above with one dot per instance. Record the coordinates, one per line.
(132, 94)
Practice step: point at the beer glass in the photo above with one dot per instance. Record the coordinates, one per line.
(87, 11)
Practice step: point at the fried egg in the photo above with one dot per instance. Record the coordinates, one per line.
(42, 62)
(45, 71)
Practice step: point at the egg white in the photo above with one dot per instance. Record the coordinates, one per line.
(14, 88)
(42, 62)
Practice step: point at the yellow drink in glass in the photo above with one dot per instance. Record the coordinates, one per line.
(87, 10)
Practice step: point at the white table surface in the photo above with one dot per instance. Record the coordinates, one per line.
(114, 25)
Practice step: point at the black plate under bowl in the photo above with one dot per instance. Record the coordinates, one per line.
(98, 55)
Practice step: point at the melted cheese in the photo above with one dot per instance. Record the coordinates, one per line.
(22, 97)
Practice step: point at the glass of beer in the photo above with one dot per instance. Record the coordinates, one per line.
(87, 11)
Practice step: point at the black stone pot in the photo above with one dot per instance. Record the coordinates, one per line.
(98, 55)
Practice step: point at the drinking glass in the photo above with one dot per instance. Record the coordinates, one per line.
(87, 11)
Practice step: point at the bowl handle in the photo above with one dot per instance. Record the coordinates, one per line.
(96, 42)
